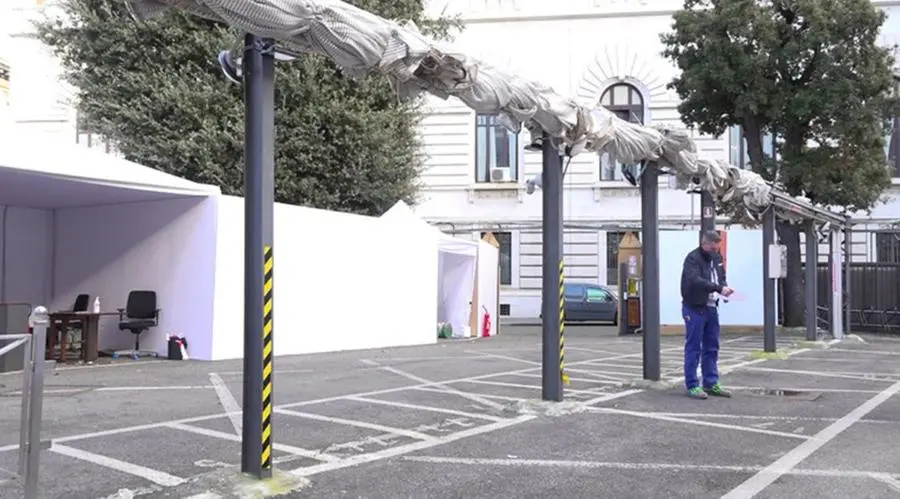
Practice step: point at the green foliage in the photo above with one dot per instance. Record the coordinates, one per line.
(810, 71)
(156, 90)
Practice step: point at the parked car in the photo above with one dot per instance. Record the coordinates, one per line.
(590, 302)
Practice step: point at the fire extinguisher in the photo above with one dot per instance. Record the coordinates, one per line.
(485, 323)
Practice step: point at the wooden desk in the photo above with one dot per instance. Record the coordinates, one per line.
(59, 323)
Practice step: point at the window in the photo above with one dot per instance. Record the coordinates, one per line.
(612, 250)
(505, 250)
(597, 295)
(495, 147)
(625, 102)
(574, 291)
(737, 147)
(887, 247)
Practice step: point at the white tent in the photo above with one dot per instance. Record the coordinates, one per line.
(74, 221)
(455, 271)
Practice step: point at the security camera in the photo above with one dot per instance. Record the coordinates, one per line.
(534, 183)
(230, 67)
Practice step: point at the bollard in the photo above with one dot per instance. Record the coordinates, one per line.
(32, 401)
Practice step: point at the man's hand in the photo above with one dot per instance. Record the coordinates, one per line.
(726, 291)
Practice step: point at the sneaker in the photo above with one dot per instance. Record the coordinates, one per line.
(697, 393)
(716, 390)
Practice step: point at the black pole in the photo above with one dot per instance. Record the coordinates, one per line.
(650, 262)
(768, 239)
(707, 212)
(812, 288)
(623, 299)
(551, 374)
(259, 191)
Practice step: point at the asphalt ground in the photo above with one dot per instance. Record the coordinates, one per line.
(463, 419)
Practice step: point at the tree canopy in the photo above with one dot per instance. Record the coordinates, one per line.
(809, 72)
(156, 91)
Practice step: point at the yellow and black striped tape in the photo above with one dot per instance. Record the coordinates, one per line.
(268, 268)
(562, 326)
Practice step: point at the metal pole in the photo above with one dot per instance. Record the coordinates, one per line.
(848, 296)
(40, 318)
(259, 181)
(551, 378)
(650, 261)
(707, 212)
(812, 288)
(769, 308)
(832, 327)
(623, 299)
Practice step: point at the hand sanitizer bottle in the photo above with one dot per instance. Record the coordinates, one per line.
(97, 305)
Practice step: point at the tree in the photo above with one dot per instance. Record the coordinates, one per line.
(808, 71)
(155, 90)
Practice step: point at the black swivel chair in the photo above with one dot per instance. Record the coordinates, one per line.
(139, 315)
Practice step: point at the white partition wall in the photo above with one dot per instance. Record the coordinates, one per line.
(744, 254)
(26, 251)
(342, 282)
(166, 246)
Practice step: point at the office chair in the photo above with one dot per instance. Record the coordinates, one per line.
(139, 315)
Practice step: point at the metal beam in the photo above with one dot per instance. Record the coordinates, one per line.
(769, 306)
(259, 193)
(650, 263)
(552, 253)
(811, 288)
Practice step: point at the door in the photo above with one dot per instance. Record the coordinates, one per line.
(600, 304)
(575, 302)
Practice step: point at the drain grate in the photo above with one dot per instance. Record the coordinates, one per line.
(787, 394)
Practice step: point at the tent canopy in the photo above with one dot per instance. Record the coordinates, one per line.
(403, 214)
(38, 175)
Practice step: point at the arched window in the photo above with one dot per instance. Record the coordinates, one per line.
(626, 102)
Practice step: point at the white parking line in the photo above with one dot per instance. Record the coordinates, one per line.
(449, 389)
(406, 449)
(229, 403)
(155, 476)
(478, 462)
(789, 461)
(697, 422)
(861, 377)
(290, 449)
(507, 357)
(424, 408)
(359, 424)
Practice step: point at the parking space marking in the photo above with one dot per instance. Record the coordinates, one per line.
(611, 396)
(571, 378)
(789, 419)
(473, 398)
(490, 396)
(413, 447)
(468, 461)
(789, 461)
(861, 376)
(229, 403)
(608, 375)
(426, 408)
(290, 449)
(507, 357)
(155, 476)
(359, 424)
(696, 422)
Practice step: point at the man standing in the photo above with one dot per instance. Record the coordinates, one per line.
(702, 283)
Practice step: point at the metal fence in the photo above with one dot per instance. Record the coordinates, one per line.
(874, 296)
(32, 354)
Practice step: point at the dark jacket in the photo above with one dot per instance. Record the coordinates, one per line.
(696, 281)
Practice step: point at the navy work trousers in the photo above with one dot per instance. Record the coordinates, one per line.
(701, 345)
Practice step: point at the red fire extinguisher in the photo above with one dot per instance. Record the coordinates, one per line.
(485, 323)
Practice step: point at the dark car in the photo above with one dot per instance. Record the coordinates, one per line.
(590, 302)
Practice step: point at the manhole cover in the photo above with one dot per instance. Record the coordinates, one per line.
(786, 394)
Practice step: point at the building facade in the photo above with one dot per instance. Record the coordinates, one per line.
(604, 52)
